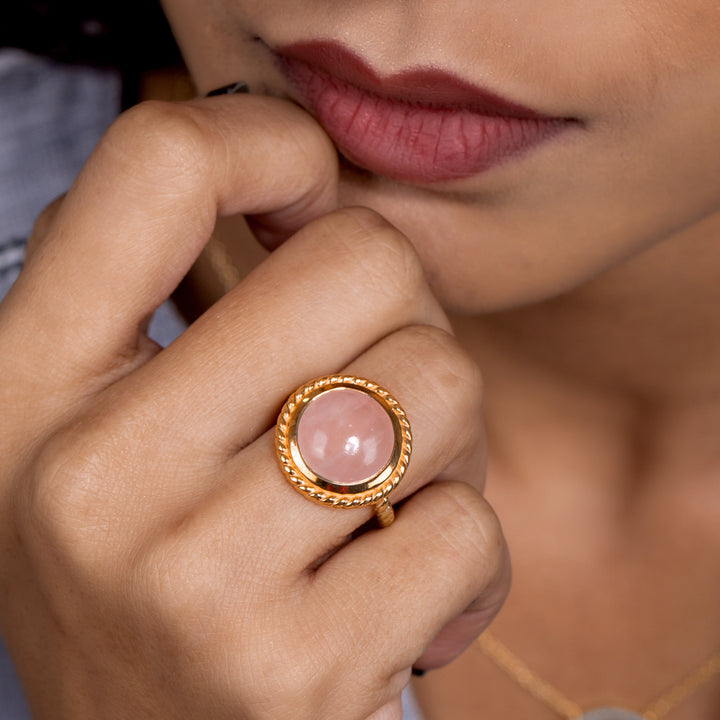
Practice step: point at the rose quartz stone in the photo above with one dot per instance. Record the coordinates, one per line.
(345, 436)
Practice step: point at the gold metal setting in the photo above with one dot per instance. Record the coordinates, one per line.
(374, 490)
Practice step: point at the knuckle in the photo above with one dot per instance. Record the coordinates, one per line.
(447, 367)
(474, 534)
(201, 590)
(188, 578)
(185, 592)
(384, 261)
(178, 581)
(64, 504)
(158, 141)
(451, 380)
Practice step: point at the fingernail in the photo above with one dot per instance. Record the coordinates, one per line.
(418, 673)
(235, 88)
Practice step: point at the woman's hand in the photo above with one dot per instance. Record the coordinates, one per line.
(155, 563)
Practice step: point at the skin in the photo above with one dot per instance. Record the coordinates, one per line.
(641, 81)
(582, 279)
(140, 574)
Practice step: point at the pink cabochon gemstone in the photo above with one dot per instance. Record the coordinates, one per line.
(345, 436)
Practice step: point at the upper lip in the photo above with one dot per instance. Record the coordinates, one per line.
(421, 86)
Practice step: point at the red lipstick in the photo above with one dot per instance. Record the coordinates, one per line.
(418, 126)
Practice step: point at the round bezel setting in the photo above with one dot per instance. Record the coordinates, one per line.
(325, 491)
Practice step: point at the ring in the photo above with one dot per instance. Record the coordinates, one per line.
(344, 441)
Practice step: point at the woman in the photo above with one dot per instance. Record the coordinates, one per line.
(528, 190)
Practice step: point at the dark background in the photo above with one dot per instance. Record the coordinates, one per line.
(130, 35)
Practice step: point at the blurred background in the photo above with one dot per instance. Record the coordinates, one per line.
(131, 37)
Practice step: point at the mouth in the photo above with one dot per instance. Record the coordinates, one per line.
(418, 126)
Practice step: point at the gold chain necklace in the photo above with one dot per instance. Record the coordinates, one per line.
(228, 276)
(550, 696)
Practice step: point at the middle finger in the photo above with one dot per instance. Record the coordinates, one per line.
(336, 288)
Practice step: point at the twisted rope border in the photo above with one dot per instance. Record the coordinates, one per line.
(304, 484)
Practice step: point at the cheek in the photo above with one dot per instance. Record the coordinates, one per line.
(215, 37)
(680, 34)
(645, 170)
(596, 59)
(615, 194)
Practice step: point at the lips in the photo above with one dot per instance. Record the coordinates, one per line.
(418, 126)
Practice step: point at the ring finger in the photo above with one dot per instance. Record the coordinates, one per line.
(441, 394)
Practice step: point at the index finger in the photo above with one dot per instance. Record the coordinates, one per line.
(146, 203)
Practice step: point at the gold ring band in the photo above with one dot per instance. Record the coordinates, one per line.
(359, 469)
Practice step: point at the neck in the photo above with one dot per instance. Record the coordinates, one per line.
(626, 369)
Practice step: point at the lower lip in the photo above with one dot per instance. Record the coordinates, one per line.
(415, 143)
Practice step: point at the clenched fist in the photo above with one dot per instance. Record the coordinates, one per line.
(154, 561)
